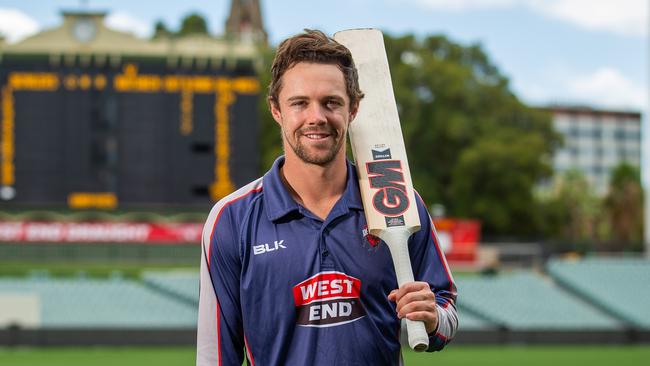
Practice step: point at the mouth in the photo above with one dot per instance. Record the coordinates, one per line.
(317, 136)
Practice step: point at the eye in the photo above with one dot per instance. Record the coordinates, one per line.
(333, 103)
(298, 103)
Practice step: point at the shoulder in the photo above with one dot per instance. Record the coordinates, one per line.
(232, 206)
(422, 206)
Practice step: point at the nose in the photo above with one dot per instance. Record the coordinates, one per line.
(316, 115)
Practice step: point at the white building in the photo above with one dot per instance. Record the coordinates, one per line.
(596, 141)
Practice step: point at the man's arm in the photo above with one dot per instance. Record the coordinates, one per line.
(220, 334)
(432, 298)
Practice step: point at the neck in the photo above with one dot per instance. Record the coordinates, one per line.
(315, 187)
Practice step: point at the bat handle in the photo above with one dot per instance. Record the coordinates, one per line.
(397, 241)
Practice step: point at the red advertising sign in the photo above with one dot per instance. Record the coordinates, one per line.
(100, 232)
(458, 238)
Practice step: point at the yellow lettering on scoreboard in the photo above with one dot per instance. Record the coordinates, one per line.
(245, 85)
(187, 112)
(130, 81)
(70, 82)
(172, 83)
(7, 148)
(102, 200)
(41, 81)
(99, 82)
(85, 82)
(222, 184)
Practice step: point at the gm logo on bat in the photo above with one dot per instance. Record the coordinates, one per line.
(386, 175)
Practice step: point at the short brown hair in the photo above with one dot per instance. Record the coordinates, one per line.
(313, 46)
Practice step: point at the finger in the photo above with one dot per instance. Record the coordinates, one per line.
(430, 319)
(411, 287)
(392, 296)
(416, 306)
(422, 295)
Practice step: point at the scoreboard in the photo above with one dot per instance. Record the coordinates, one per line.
(103, 133)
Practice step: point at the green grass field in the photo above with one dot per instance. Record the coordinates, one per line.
(454, 355)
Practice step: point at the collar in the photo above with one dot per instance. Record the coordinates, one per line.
(279, 203)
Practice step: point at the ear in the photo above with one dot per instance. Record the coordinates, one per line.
(353, 111)
(275, 110)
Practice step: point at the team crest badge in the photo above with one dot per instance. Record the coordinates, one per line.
(370, 241)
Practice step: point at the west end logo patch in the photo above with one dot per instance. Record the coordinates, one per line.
(328, 299)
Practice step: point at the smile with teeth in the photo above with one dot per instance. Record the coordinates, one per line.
(316, 136)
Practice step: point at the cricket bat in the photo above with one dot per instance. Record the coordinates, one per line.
(378, 149)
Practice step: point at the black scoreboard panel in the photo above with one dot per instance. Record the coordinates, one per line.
(131, 133)
(40, 147)
(244, 139)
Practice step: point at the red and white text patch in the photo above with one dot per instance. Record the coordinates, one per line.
(328, 299)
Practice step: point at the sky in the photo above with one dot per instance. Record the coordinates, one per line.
(578, 52)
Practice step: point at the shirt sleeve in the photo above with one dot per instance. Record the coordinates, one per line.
(220, 339)
(430, 265)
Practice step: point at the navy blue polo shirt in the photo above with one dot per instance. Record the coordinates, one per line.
(284, 287)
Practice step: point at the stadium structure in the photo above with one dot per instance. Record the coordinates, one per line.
(114, 148)
(93, 118)
(596, 141)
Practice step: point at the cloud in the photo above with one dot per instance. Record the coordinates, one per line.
(16, 25)
(604, 87)
(460, 5)
(609, 87)
(627, 17)
(125, 22)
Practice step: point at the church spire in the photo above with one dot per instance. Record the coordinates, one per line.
(245, 21)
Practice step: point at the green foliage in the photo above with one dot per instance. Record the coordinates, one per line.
(473, 146)
(493, 180)
(624, 204)
(573, 211)
(270, 137)
(193, 24)
(576, 218)
(161, 30)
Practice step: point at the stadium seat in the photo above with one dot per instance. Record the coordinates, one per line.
(101, 303)
(182, 284)
(527, 301)
(618, 285)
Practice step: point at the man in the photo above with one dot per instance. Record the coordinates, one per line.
(288, 275)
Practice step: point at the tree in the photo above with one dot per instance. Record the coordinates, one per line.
(161, 30)
(572, 211)
(193, 24)
(473, 146)
(624, 205)
(270, 137)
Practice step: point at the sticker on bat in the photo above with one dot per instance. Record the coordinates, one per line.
(395, 221)
(382, 154)
(386, 176)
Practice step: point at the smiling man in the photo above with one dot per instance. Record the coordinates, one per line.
(289, 274)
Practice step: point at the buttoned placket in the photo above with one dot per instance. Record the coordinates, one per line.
(337, 212)
(326, 261)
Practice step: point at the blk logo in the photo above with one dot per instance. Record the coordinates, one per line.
(266, 247)
(387, 177)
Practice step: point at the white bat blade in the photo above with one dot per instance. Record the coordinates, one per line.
(380, 155)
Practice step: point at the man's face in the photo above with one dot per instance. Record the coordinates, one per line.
(314, 112)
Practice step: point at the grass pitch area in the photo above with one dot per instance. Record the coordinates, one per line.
(454, 355)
